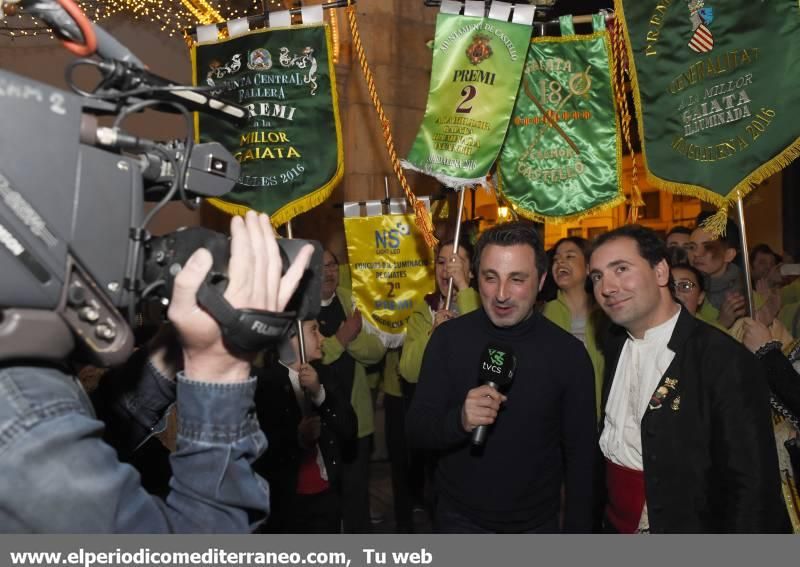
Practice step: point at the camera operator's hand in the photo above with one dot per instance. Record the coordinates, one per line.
(255, 282)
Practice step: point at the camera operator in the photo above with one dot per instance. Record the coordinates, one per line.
(60, 476)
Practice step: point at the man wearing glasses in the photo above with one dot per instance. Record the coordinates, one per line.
(686, 429)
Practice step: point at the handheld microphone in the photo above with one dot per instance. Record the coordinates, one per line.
(498, 364)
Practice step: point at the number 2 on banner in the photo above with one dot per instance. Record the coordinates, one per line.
(469, 92)
(392, 286)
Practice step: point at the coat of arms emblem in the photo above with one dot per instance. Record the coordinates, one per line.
(702, 40)
(259, 60)
(479, 50)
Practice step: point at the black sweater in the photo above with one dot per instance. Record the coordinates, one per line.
(544, 434)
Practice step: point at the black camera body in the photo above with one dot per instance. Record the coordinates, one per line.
(73, 253)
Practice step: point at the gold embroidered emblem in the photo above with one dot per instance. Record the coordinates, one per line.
(676, 403)
(658, 397)
(479, 50)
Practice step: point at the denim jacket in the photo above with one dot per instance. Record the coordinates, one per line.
(58, 475)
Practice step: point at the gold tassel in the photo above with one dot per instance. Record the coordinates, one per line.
(423, 221)
(716, 223)
(618, 71)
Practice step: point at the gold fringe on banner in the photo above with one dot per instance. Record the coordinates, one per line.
(620, 199)
(317, 196)
(422, 218)
(716, 223)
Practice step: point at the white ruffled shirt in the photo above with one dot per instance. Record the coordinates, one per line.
(641, 365)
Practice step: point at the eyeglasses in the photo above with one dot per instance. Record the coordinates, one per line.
(684, 286)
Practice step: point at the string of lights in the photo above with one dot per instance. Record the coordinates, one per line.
(172, 16)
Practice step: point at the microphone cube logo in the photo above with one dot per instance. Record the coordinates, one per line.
(497, 356)
(495, 362)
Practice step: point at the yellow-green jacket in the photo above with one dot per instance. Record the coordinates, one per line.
(791, 292)
(558, 312)
(789, 315)
(390, 375)
(365, 349)
(418, 332)
(710, 314)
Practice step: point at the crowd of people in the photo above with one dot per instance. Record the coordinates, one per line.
(640, 397)
(695, 402)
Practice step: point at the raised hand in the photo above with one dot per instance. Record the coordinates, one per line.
(255, 282)
(349, 330)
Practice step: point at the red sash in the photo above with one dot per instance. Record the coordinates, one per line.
(626, 497)
(309, 477)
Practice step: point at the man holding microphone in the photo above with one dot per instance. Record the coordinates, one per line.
(540, 430)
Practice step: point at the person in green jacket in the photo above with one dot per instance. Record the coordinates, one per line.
(574, 308)
(348, 349)
(429, 314)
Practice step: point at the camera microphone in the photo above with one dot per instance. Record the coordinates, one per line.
(127, 76)
(212, 170)
(498, 364)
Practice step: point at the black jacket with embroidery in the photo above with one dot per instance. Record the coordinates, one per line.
(709, 455)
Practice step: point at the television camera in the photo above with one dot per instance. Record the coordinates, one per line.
(76, 258)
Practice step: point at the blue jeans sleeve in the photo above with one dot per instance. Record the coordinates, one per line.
(132, 401)
(60, 476)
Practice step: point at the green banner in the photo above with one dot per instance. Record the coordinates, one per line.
(562, 156)
(717, 90)
(290, 151)
(477, 64)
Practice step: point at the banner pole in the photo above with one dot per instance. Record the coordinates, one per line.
(301, 341)
(456, 239)
(745, 256)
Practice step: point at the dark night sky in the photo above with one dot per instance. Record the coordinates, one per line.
(580, 6)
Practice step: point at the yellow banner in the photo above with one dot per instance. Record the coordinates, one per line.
(392, 271)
